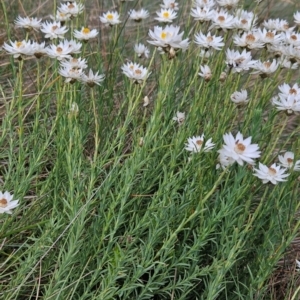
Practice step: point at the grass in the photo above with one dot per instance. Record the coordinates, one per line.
(111, 204)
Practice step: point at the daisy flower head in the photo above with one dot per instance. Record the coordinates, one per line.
(53, 30)
(277, 24)
(291, 38)
(7, 203)
(223, 20)
(38, 49)
(18, 49)
(71, 74)
(297, 17)
(169, 4)
(141, 50)
(202, 14)
(137, 73)
(85, 34)
(209, 41)
(91, 79)
(180, 117)
(245, 20)
(205, 73)
(240, 97)
(196, 143)
(265, 69)
(60, 17)
(60, 51)
(287, 161)
(290, 103)
(71, 8)
(273, 174)
(239, 149)
(110, 18)
(74, 63)
(28, 23)
(249, 40)
(166, 15)
(269, 37)
(239, 62)
(138, 15)
(169, 39)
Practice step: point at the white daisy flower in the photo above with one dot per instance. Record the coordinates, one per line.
(205, 73)
(71, 8)
(168, 38)
(287, 90)
(138, 15)
(245, 20)
(28, 23)
(180, 117)
(287, 161)
(239, 149)
(285, 63)
(240, 97)
(223, 20)
(38, 49)
(274, 173)
(6, 203)
(277, 24)
(71, 74)
(75, 47)
(53, 30)
(166, 15)
(264, 69)
(239, 62)
(91, 79)
(196, 143)
(60, 51)
(110, 18)
(297, 17)
(249, 40)
(291, 38)
(169, 4)
(209, 41)
(74, 63)
(202, 14)
(18, 49)
(269, 36)
(60, 17)
(141, 50)
(135, 72)
(85, 34)
(224, 161)
(290, 103)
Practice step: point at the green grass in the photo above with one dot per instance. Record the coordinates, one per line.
(111, 205)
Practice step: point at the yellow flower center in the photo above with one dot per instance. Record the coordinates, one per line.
(59, 49)
(138, 71)
(239, 148)
(110, 17)
(70, 6)
(244, 21)
(199, 142)
(164, 35)
(54, 27)
(166, 15)
(85, 30)
(290, 161)
(272, 171)
(3, 203)
(19, 44)
(292, 91)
